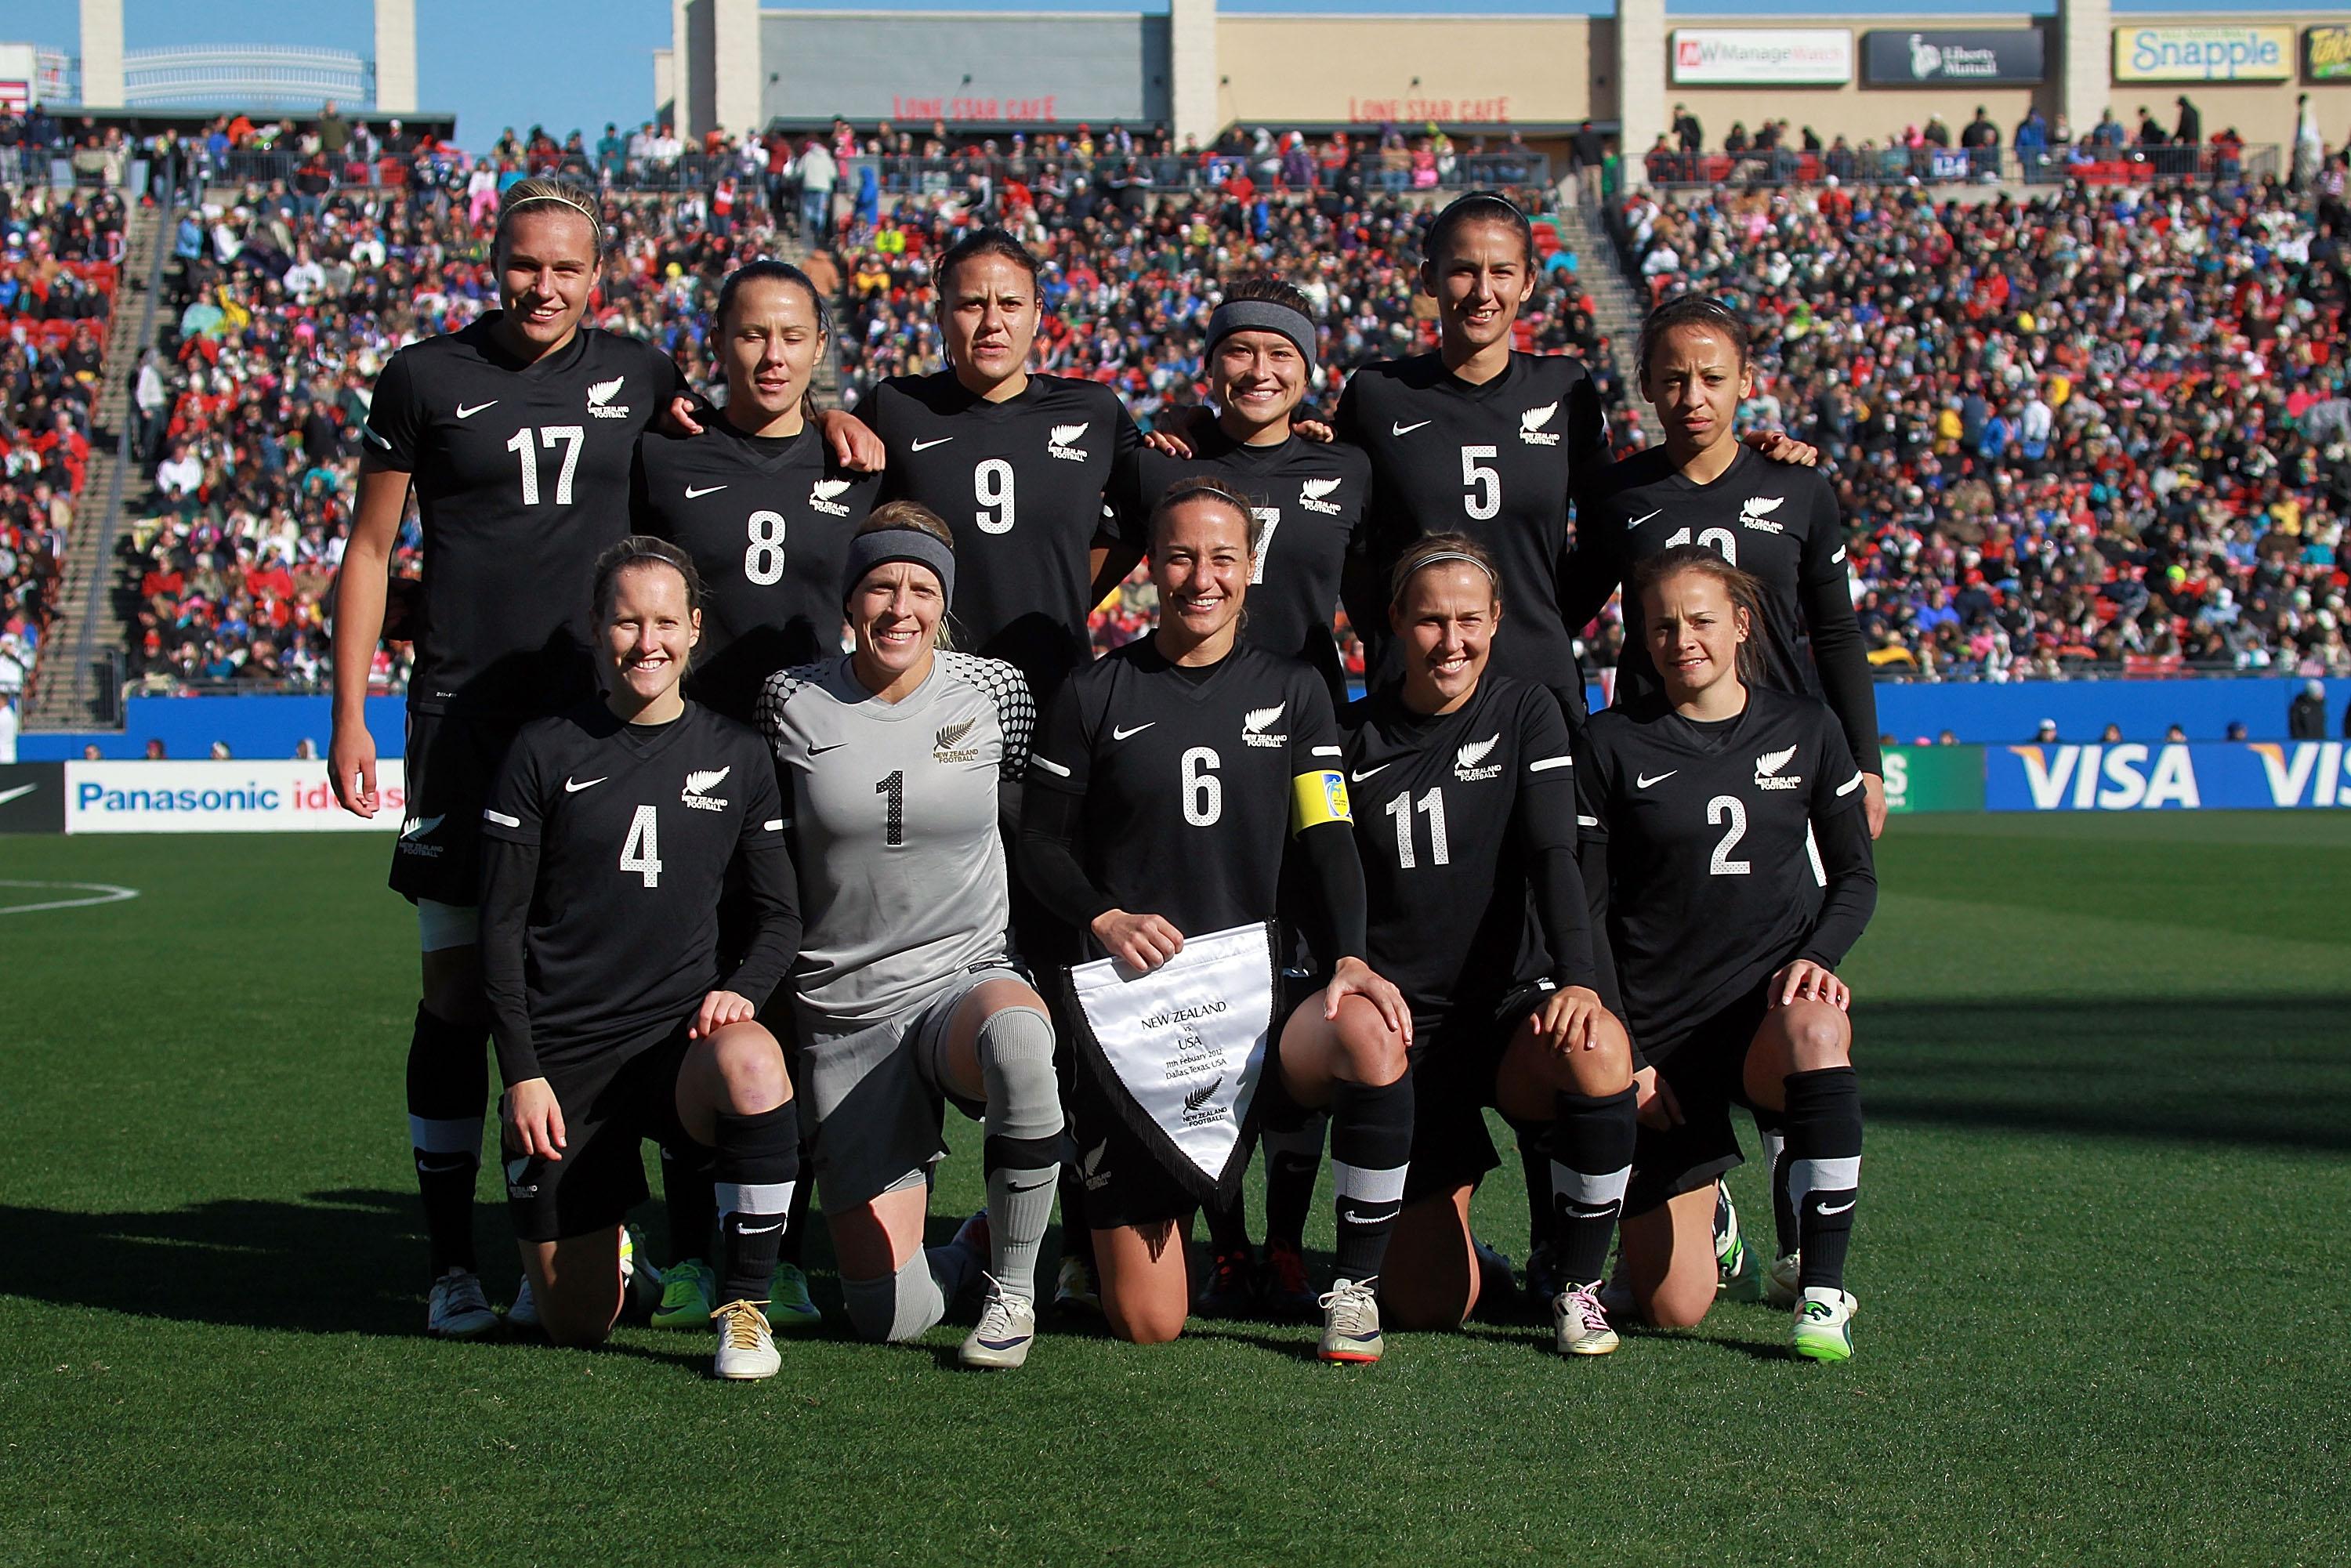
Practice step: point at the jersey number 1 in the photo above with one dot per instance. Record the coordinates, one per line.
(569, 437)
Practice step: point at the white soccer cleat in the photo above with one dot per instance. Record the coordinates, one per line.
(746, 1347)
(1351, 1323)
(1734, 1271)
(457, 1309)
(1782, 1282)
(1822, 1330)
(1579, 1325)
(524, 1313)
(1006, 1328)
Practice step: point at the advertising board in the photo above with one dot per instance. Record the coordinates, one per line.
(2251, 52)
(267, 796)
(2264, 774)
(1762, 57)
(1972, 57)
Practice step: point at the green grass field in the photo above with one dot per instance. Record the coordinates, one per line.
(2101, 1255)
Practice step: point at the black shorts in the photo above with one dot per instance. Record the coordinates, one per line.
(1123, 1180)
(610, 1105)
(1705, 1068)
(1456, 1055)
(451, 764)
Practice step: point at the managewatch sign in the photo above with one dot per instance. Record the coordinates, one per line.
(1759, 56)
(220, 798)
(2009, 57)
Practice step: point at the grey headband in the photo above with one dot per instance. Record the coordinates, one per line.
(1262, 316)
(883, 545)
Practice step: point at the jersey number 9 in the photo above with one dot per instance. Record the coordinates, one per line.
(991, 487)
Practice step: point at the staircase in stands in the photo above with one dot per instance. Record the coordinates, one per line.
(71, 689)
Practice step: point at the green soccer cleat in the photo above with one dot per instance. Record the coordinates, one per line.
(790, 1308)
(688, 1288)
(1824, 1325)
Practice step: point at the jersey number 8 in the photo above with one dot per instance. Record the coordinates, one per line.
(763, 561)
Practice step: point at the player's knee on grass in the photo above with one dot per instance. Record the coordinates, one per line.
(1147, 1292)
(1669, 1260)
(897, 1307)
(578, 1291)
(1015, 1061)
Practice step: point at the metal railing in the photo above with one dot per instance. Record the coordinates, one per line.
(2128, 166)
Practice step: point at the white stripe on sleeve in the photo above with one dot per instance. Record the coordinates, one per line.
(1548, 763)
(500, 818)
(1850, 785)
(1326, 751)
(1048, 764)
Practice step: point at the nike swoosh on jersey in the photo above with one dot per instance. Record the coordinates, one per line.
(1138, 729)
(1644, 781)
(927, 446)
(820, 750)
(1366, 773)
(465, 412)
(1405, 429)
(694, 495)
(20, 791)
(574, 786)
(1644, 518)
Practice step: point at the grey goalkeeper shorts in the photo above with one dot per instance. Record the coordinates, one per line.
(872, 1100)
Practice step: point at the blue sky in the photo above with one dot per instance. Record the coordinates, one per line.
(601, 67)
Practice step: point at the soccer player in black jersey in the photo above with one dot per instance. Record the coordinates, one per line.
(760, 502)
(765, 507)
(1017, 463)
(1309, 498)
(1187, 749)
(1464, 792)
(1778, 524)
(1695, 819)
(605, 839)
(518, 434)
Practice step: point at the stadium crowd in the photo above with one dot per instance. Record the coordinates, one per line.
(59, 256)
(2101, 426)
(2104, 425)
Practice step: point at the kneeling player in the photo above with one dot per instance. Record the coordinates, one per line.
(1464, 790)
(899, 758)
(607, 839)
(1694, 815)
(1167, 780)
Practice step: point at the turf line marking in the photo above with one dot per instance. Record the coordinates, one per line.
(106, 891)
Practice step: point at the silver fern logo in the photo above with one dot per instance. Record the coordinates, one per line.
(947, 744)
(600, 400)
(1532, 422)
(1256, 727)
(821, 497)
(698, 787)
(1767, 770)
(1063, 443)
(1469, 763)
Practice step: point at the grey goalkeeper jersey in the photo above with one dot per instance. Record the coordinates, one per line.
(893, 811)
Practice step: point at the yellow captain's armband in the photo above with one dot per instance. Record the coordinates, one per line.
(1317, 798)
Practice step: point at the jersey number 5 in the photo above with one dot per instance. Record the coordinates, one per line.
(1484, 484)
(569, 437)
(641, 851)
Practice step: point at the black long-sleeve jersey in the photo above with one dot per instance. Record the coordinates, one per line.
(1778, 522)
(1457, 816)
(768, 521)
(1311, 499)
(1710, 885)
(1501, 463)
(606, 845)
(1022, 483)
(522, 478)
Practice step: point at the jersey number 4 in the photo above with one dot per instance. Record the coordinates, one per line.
(641, 851)
(567, 436)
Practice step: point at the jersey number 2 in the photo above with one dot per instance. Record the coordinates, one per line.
(1726, 810)
(570, 436)
(641, 851)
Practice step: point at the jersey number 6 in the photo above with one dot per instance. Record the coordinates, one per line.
(1204, 792)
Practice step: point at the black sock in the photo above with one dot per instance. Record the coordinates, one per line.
(1536, 1167)
(1824, 1168)
(796, 1221)
(1293, 1160)
(1371, 1146)
(1229, 1227)
(688, 1200)
(448, 1078)
(1077, 1237)
(756, 1162)
(1591, 1164)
